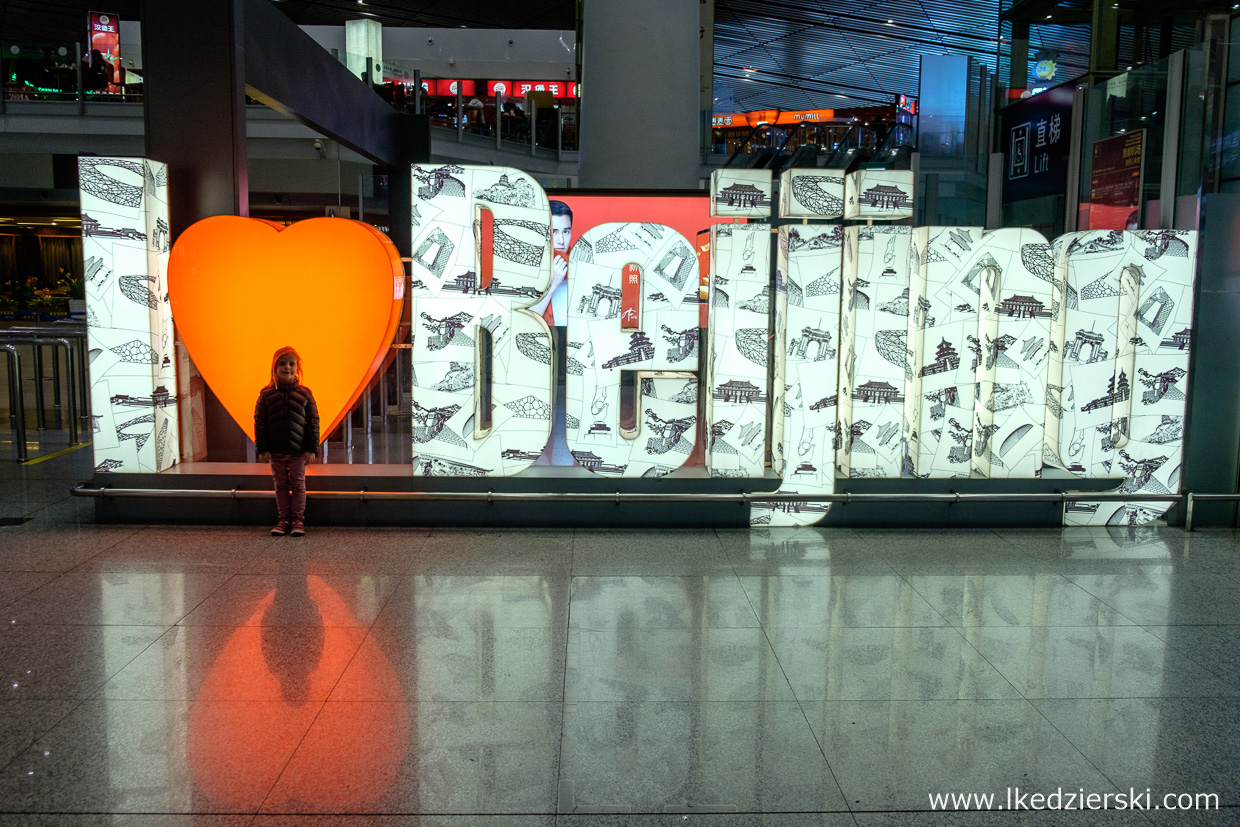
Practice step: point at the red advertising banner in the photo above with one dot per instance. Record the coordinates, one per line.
(104, 72)
(1115, 183)
(557, 88)
(630, 296)
(448, 87)
(518, 88)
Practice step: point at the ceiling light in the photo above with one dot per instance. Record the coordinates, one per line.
(889, 22)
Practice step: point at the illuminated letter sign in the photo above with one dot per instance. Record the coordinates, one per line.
(133, 378)
(483, 384)
(659, 343)
(876, 351)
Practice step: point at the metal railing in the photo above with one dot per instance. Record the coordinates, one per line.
(740, 498)
(1192, 498)
(72, 340)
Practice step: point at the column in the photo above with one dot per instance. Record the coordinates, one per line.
(640, 94)
(194, 87)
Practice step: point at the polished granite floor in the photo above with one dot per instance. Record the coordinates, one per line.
(219, 676)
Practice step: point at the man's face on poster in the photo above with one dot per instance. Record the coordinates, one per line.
(561, 233)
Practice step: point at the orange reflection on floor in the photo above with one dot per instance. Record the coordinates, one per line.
(294, 647)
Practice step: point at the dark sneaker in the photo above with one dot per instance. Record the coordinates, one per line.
(281, 529)
(299, 529)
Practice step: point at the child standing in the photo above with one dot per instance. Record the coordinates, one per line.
(286, 434)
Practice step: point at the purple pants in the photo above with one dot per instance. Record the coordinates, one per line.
(288, 474)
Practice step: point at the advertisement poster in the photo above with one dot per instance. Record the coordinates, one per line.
(1115, 183)
(103, 72)
(573, 214)
(1036, 134)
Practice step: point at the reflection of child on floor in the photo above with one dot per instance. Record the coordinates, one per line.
(554, 306)
(286, 434)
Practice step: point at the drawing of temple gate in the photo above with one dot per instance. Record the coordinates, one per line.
(741, 195)
(599, 294)
(1024, 307)
(814, 336)
(886, 197)
(882, 392)
(738, 390)
(1086, 339)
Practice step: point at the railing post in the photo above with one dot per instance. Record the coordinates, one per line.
(16, 404)
(1188, 513)
(40, 420)
(74, 438)
(499, 120)
(81, 90)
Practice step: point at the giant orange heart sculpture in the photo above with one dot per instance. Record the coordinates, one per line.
(241, 288)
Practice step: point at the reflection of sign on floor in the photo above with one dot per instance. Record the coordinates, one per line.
(1115, 183)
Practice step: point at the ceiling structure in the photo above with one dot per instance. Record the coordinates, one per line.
(769, 54)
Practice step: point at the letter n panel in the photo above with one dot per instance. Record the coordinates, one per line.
(943, 314)
(874, 351)
(1014, 273)
(807, 319)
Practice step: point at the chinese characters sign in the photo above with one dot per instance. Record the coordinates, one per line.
(1036, 141)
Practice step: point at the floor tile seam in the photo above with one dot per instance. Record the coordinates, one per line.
(365, 638)
(21, 596)
(76, 704)
(987, 660)
(1131, 621)
(1071, 742)
(924, 599)
(1231, 679)
(292, 754)
(95, 692)
(563, 705)
(108, 547)
(822, 750)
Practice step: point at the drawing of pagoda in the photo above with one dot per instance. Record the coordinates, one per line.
(640, 349)
(1117, 391)
(945, 358)
(445, 330)
(1178, 340)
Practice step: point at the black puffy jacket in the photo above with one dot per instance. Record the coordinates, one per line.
(286, 420)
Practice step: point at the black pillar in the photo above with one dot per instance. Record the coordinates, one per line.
(194, 89)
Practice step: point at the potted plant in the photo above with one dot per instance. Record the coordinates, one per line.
(75, 288)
